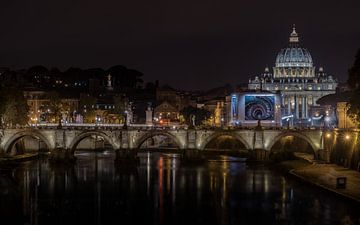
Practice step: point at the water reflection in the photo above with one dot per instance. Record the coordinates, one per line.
(162, 189)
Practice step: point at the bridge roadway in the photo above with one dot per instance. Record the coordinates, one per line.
(65, 140)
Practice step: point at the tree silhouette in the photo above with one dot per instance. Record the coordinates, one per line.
(200, 115)
(13, 107)
(354, 73)
(354, 83)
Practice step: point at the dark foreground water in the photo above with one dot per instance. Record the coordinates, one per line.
(163, 190)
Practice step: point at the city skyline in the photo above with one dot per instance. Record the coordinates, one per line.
(222, 43)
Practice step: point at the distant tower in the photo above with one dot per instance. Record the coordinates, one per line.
(109, 86)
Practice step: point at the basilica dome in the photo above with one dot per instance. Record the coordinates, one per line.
(294, 55)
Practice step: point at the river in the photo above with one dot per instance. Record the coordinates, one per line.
(163, 189)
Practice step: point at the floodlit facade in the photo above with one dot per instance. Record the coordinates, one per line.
(298, 81)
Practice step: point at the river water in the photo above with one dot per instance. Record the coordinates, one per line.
(163, 189)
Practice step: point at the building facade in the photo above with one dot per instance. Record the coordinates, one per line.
(298, 81)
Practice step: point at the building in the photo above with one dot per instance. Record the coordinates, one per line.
(37, 101)
(166, 114)
(297, 80)
(248, 108)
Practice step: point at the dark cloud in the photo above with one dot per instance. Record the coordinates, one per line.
(188, 44)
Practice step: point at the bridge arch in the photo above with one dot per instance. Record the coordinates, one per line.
(294, 134)
(151, 134)
(27, 133)
(74, 143)
(219, 134)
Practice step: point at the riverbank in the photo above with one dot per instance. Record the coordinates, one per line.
(324, 176)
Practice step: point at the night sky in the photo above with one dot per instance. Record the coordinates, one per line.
(189, 44)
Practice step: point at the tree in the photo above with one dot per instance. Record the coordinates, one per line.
(13, 107)
(120, 103)
(354, 83)
(200, 115)
(53, 106)
(354, 106)
(354, 73)
(124, 77)
(87, 103)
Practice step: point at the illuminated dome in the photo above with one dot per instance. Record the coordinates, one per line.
(294, 61)
(294, 55)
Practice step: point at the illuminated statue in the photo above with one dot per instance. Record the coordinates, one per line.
(218, 115)
(109, 83)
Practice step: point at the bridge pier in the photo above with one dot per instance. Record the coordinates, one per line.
(61, 155)
(323, 154)
(126, 156)
(194, 155)
(259, 154)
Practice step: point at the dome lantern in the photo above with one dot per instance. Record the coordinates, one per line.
(294, 61)
(294, 38)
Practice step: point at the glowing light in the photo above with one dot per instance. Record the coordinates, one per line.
(347, 137)
(328, 135)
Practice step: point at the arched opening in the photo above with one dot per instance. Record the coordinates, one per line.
(30, 144)
(225, 142)
(228, 145)
(92, 144)
(291, 147)
(159, 142)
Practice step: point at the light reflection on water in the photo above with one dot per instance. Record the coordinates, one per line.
(162, 189)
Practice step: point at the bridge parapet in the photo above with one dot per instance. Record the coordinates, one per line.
(67, 138)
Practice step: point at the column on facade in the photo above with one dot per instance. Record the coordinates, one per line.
(296, 98)
(289, 104)
(303, 107)
(306, 108)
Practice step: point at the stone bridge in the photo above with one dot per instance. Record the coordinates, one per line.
(67, 139)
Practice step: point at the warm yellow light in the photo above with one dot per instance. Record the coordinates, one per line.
(328, 135)
(347, 137)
